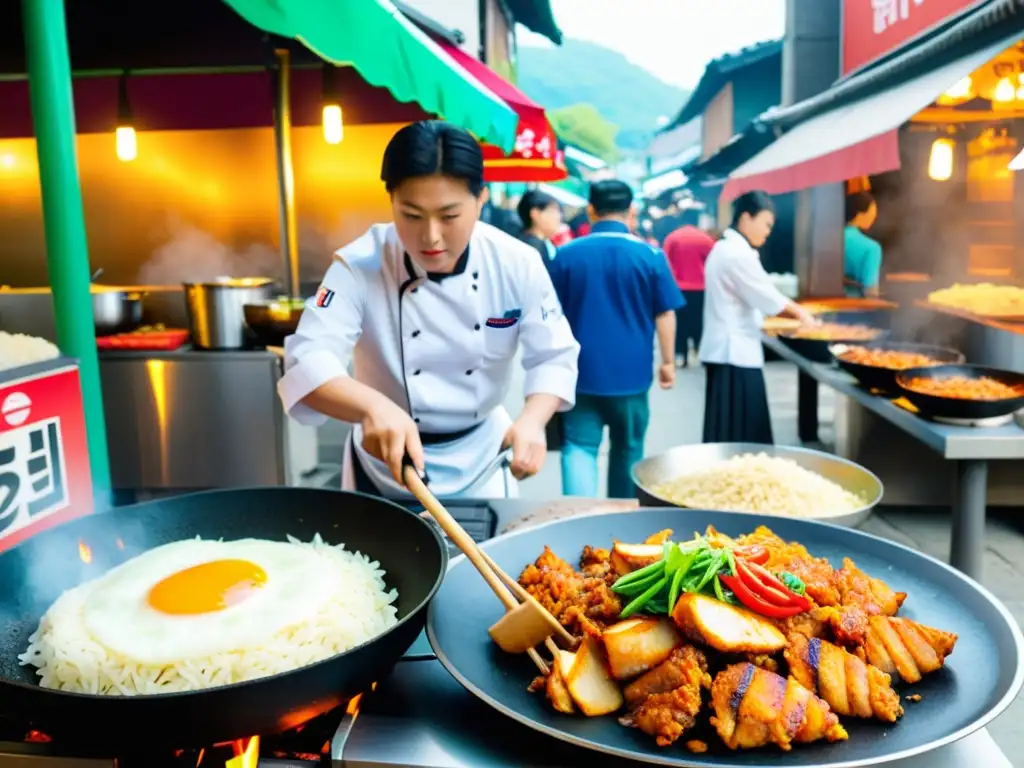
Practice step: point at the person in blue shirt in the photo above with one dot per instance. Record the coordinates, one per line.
(615, 291)
(862, 260)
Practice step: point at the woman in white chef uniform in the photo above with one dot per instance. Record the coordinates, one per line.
(738, 295)
(431, 310)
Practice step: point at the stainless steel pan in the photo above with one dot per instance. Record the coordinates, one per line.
(687, 459)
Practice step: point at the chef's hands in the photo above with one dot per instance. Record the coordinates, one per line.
(529, 446)
(807, 318)
(667, 375)
(389, 433)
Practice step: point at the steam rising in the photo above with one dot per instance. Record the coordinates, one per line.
(193, 255)
(190, 254)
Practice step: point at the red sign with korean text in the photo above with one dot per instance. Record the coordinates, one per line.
(44, 457)
(872, 28)
(534, 158)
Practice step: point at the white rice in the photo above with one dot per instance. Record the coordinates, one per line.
(69, 659)
(17, 349)
(760, 484)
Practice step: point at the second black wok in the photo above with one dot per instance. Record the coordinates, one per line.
(409, 549)
(272, 321)
(935, 406)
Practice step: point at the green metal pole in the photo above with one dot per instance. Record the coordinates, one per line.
(67, 255)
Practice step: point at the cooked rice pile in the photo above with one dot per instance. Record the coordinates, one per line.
(760, 484)
(70, 660)
(17, 349)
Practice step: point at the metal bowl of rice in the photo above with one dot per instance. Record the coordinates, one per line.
(778, 481)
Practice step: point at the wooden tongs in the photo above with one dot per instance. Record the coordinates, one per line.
(526, 623)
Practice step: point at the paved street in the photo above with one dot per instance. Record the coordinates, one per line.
(677, 419)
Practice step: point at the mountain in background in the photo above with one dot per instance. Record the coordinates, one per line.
(579, 72)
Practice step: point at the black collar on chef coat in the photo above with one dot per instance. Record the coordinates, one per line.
(437, 277)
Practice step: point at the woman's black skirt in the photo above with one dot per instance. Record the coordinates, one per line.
(689, 321)
(736, 406)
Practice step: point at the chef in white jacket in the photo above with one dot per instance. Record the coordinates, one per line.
(431, 311)
(738, 294)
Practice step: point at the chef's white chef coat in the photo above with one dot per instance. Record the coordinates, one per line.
(738, 294)
(440, 346)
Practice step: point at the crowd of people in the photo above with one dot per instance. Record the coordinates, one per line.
(696, 294)
(413, 332)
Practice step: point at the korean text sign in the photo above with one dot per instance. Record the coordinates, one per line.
(872, 28)
(44, 457)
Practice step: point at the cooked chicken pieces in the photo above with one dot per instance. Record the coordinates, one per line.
(899, 646)
(665, 702)
(848, 685)
(871, 595)
(570, 596)
(754, 708)
(842, 656)
(724, 627)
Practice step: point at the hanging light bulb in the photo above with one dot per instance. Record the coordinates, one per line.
(125, 141)
(1005, 91)
(940, 160)
(334, 125)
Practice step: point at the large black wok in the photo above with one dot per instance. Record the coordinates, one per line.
(980, 679)
(817, 350)
(33, 574)
(872, 377)
(934, 406)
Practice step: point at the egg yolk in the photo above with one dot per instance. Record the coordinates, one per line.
(207, 587)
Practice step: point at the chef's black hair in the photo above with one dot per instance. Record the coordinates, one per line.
(432, 147)
(610, 196)
(533, 200)
(858, 203)
(751, 203)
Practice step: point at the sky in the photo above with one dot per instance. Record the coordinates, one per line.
(674, 39)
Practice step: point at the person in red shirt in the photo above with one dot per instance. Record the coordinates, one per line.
(687, 249)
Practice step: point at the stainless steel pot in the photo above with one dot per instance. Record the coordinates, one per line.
(115, 310)
(687, 459)
(216, 310)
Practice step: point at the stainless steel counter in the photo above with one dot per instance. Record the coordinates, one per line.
(190, 420)
(921, 462)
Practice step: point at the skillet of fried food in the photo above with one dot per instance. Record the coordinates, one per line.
(836, 332)
(890, 359)
(984, 388)
(753, 636)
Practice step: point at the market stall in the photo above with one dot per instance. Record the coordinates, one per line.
(143, 383)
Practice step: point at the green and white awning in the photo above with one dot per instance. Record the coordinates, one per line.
(389, 52)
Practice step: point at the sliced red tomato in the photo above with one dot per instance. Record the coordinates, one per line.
(757, 585)
(771, 581)
(756, 603)
(753, 553)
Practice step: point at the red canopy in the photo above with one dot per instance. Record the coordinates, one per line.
(535, 157)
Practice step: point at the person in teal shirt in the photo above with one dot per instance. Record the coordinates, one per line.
(862, 261)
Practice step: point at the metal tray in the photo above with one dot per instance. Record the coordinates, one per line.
(979, 682)
(687, 459)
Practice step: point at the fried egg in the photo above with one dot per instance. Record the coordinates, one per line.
(197, 598)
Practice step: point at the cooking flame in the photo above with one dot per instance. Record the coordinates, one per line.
(84, 553)
(353, 703)
(247, 755)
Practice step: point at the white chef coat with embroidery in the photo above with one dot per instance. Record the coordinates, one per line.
(441, 348)
(738, 294)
